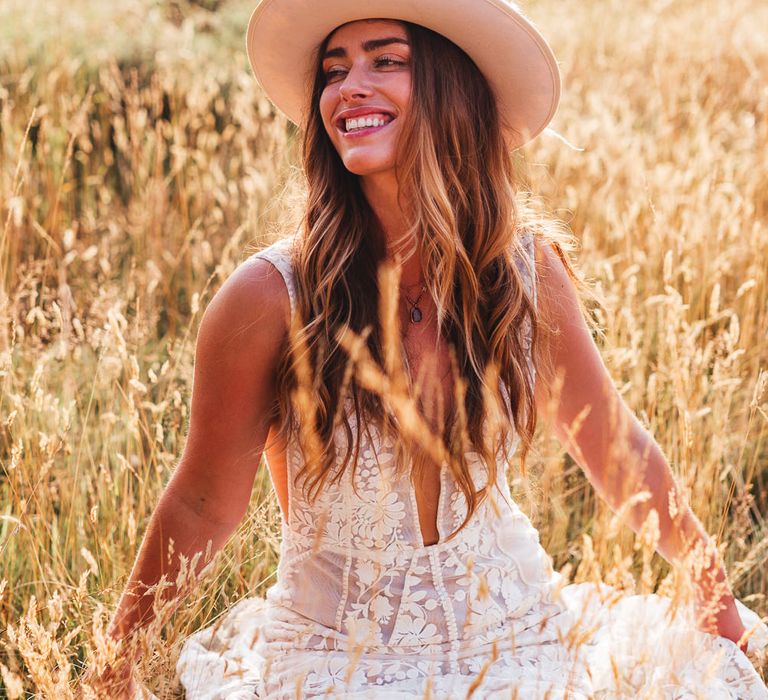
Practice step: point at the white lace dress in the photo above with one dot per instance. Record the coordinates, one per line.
(363, 609)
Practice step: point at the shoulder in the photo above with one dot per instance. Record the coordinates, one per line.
(262, 285)
(557, 280)
(249, 313)
(544, 251)
(280, 255)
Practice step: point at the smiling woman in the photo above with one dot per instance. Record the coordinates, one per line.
(389, 416)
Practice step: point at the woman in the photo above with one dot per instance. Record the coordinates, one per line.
(388, 359)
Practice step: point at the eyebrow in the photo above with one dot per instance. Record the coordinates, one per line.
(370, 45)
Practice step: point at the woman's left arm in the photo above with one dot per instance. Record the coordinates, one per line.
(577, 397)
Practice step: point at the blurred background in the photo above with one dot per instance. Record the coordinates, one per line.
(139, 164)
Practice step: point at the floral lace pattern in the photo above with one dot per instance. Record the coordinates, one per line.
(362, 608)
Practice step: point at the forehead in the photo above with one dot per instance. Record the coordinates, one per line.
(362, 29)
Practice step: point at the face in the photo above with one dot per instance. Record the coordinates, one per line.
(367, 69)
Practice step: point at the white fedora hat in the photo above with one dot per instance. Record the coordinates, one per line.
(283, 36)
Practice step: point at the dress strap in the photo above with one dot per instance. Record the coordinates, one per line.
(279, 254)
(527, 262)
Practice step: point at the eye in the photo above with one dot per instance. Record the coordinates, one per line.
(332, 73)
(388, 61)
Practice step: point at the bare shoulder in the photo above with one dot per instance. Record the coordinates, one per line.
(242, 335)
(251, 307)
(551, 269)
(558, 291)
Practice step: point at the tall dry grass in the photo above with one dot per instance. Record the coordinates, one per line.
(138, 164)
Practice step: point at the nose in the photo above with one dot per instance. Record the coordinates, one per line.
(355, 84)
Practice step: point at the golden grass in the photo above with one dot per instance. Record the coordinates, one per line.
(138, 162)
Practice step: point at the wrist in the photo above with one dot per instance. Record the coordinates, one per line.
(701, 559)
(133, 611)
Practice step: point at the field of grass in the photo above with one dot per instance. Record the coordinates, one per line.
(139, 164)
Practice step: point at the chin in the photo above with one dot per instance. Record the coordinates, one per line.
(367, 166)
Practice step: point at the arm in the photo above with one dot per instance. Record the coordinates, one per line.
(240, 340)
(619, 457)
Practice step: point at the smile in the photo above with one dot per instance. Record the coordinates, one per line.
(363, 124)
(366, 121)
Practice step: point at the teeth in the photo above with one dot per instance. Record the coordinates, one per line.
(364, 122)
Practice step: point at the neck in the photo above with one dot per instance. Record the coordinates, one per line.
(382, 192)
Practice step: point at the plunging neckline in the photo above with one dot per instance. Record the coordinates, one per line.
(438, 502)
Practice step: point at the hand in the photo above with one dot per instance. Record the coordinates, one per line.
(114, 682)
(725, 623)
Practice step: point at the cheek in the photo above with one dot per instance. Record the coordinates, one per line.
(326, 110)
(402, 94)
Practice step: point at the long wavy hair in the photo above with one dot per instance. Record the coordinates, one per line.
(458, 183)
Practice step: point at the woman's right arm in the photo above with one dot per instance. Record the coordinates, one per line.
(241, 337)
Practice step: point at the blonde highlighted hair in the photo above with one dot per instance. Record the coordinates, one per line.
(459, 186)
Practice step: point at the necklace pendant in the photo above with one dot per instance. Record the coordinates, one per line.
(416, 315)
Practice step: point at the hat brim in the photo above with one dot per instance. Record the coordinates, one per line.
(283, 36)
